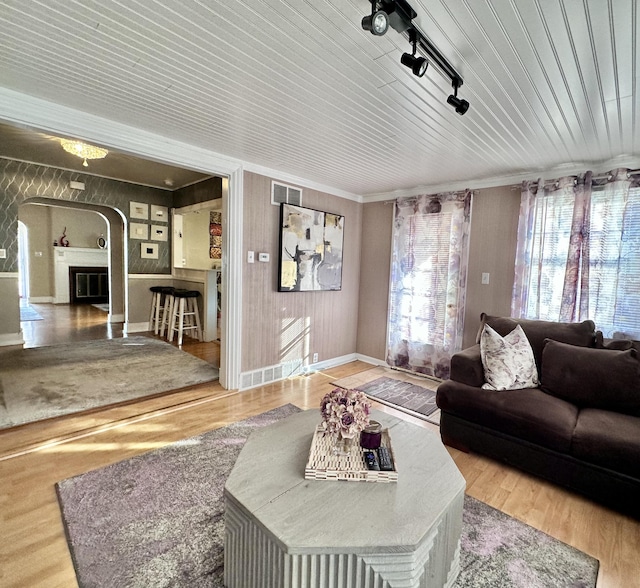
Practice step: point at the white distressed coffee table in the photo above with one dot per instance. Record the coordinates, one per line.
(283, 531)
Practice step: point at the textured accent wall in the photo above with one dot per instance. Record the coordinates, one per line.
(20, 181)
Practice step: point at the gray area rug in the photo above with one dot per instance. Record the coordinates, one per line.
(397, 395)
(157, 520)
(405, 394)
(46, 382)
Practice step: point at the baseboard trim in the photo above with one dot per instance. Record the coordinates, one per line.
(135, 327)
(41, 299)
(371, 360)
(9, 339)
(329, 363)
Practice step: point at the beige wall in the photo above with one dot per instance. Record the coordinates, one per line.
(83, 227)
(9, 314)
(37, 219)
(292, 326)
(492, 247)
(375, 260)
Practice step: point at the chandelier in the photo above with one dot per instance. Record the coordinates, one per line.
(82, 150)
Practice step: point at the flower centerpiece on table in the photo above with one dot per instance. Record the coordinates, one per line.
(345, 412)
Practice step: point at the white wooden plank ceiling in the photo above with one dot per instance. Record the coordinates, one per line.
(297, 86)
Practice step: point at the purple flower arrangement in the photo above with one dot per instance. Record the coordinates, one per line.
(345, 412)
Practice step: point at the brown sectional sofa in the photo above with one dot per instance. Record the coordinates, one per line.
(580, 428)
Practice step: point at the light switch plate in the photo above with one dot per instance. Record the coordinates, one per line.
(250, 257)
(485, 277)
(3, 254)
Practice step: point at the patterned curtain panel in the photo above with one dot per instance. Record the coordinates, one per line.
(578, 254)
(428, 281)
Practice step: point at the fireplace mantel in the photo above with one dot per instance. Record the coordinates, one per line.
(65, 257)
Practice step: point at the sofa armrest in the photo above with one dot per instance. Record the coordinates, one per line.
(466, 367)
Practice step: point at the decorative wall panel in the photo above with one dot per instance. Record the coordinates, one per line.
(21, 181)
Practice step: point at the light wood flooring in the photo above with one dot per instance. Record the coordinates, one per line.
(33, 549)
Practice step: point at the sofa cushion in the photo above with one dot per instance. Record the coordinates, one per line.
(466, 366)
(608, 439)
(528, 414)
(595, 378)
(582, 334)
(508, 361)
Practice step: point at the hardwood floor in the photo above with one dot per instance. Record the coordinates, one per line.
(33, 548)
(67, 323)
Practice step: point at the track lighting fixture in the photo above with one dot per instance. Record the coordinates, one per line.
(377, 22)
(418, 65)
(398, 14)
(459, 104)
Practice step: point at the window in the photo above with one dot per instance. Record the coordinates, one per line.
(428, 282)
(579, 255)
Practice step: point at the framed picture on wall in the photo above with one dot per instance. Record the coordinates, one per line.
(139, 231)
(139, 210)
(149, 250)
(311, 244)
(159, 214)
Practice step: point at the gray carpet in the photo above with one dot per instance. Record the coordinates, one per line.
(46, 382)
(157, 520)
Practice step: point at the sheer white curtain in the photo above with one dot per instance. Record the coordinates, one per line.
(428, 281)
(578, 254)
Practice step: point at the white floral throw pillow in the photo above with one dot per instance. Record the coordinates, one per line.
(508, 361)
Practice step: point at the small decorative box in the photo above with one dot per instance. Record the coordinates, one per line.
(324, 464)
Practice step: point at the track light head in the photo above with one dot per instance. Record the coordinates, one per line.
(459, 104)
(418, 65)
(377, 23)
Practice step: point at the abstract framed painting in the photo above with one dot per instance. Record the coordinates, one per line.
(311, 244)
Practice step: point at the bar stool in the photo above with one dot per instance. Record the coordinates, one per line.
(158, 298)
(167, 311)
(185, 315)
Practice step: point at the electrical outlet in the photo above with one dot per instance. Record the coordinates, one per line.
(315, 358)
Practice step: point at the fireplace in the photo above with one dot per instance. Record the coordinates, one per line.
(88, 285)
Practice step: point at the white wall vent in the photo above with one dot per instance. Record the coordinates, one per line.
(271, 374)
(245, 381)
(283, 193)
